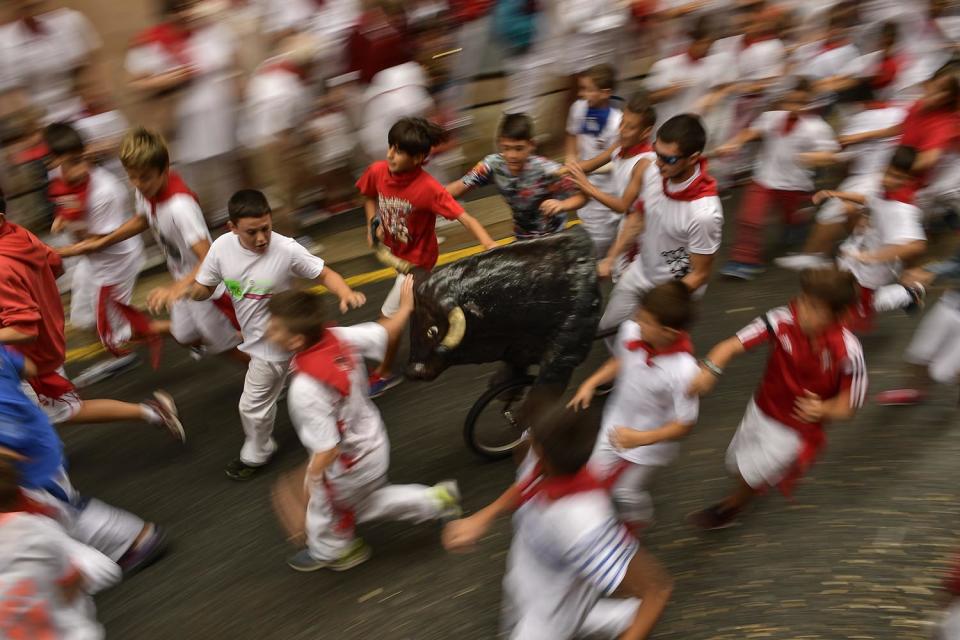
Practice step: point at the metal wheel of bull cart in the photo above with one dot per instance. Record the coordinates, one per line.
(492, 429)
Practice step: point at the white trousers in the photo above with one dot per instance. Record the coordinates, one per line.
(89, 521)
(193, 322)
(936, 342)
(624, 299)
(258, 408)
(601, 224)
(360, 494)
(609, 618)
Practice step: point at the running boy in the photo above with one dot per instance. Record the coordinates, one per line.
(255, 263)
(30, 440)
(793, 141)
(650, 411)
(166, 205)
(815, 374)
(533, 186)
(341, 428)
(32, 322)
(592, 127)
(889, 234)
(574, 570)
(405, 201)
(91, 201)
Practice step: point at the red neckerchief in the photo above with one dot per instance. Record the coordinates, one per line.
(830, 46)
(790, 123)
(887, 72)
(175, 185)
(172, 38)
(556, 487)
(748, 40)
(904, 194)
(876, 104)
(32, 153)
(702, 187)
(681, 345)
(696, 58)
(285, 65)
(34, 26)
(329, 361)
(69, 201)
(635, 150)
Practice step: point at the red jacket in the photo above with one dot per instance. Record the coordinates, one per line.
(29, 298)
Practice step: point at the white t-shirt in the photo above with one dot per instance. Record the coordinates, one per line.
(177, 224)
(761, 60)
(891, 223)
(648, 396)
(673, 229)
(42, 64)
(871, 157)
(252, 278)
(818, 63)
(108, 208)
(590, 145)
(778, 166)
(276, 101)
(34, 557)
(698, 77)
(566, 554)
(315, 408)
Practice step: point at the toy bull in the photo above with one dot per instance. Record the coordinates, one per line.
(526, 303)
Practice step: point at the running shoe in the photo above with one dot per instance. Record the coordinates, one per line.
(147, 551)
(919, 295)
(713, 517)
(741, 270)
(164, 405)
(240, 471)
(900, 397)
(106, 369)
(801, 261)
(358, 553)
(447, 494)
(380, 385)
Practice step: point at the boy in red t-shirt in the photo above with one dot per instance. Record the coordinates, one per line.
(405, 201)
(815, 374)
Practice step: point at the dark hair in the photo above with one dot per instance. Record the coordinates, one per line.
(671, 303)
(639, 104)
(686, 130)
(9, 484)
(903, 158)
(701, 29)
(301, 311)
(415, 136)
(862, 91)
(566, 437)
(949, 71)
(803, 84)
(837, 289)
(890, 30)
(62, 139)
(516, 126)
(3, 203)
(247, 203)
(603, 75)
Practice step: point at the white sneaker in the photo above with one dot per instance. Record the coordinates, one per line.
(447, 493)
(801, 261)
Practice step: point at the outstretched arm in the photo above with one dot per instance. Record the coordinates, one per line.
(130, 228)
(474, 227)
(714, 364)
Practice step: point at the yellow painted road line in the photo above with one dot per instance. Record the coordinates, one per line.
(92, 350)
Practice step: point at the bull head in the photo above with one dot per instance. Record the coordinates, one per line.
(456, 328)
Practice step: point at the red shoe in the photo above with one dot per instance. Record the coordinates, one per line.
(900, 397)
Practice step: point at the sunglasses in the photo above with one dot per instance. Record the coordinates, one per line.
(670, 160)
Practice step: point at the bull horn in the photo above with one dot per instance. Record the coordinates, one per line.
(390, 260)
(457, 327)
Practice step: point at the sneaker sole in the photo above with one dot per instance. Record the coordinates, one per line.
(387, 387)
(360, 559)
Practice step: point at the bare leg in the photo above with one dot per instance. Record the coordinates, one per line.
(741, 497)
(823, 236)
(387, 364)
(100, 411)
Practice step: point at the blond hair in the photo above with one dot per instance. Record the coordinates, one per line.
(144, 148)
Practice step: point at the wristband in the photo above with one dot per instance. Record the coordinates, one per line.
(711, 366)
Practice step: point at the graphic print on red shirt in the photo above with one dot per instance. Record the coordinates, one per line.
(408, 205)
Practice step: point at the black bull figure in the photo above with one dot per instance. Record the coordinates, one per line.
(526, 303)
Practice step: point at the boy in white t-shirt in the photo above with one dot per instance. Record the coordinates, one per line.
(91, 201)
(331, 409)
(574, 570)
(649, 411)
(592, 128)
(793, 142)
(165, 204)
(254, 263)
(888, 234)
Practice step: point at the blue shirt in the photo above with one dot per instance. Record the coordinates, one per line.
(25, 428)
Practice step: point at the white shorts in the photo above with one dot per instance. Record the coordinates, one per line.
(58, 410)
(392, 304)
(192, 322)
(833, 210)
(936, 342)
(763, 451)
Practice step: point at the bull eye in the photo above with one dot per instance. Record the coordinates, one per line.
(433, 332)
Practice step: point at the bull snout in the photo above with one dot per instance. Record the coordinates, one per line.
(420, 371)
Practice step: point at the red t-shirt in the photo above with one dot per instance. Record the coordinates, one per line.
(925, 130)
(408, 205)
(29, 298)
(827, 365)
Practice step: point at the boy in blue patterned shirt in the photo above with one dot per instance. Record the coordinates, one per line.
(536, 189)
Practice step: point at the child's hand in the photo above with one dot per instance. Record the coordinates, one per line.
(577, 175)
(353, 300)
(406, 294)
(702, 384)
(583, 397)
(59, 225)
(161, 299)
(605, 268)
(809, 408)
(461, 535)
(626, 438)
(820, 196)
(551, 207)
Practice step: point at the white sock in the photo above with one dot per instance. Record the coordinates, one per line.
(150, 414)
